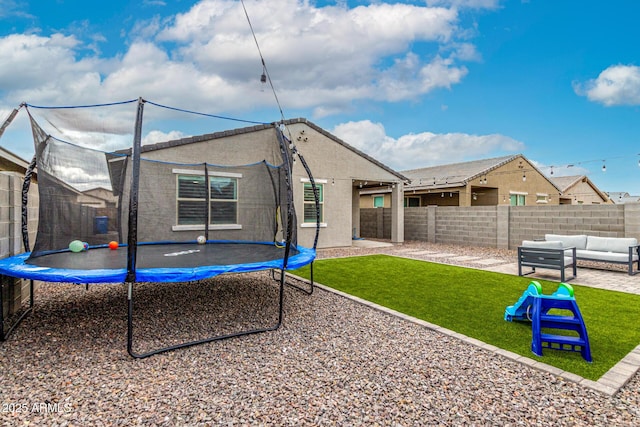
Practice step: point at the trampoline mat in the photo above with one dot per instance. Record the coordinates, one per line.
(156, 262)
(165, 255)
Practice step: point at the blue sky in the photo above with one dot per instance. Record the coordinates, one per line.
(412, 83)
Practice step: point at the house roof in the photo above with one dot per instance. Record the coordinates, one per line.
(622, 197)
(11, 161)
(618, 194)
(564, 184)
(456, 174)
(347, 146)
(239, 131)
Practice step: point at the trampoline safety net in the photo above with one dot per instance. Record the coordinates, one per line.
(223, 189)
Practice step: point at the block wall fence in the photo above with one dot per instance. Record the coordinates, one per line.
(504, 227)
(15, 291)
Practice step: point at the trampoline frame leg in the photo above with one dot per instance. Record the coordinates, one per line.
(5, 335)
(310, 284)
(201, 341)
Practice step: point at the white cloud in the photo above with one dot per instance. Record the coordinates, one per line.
(616, 85)
(319, 58)
(423, 149)
(466, 4)
(322, 58)
(157, 136)
(408, 77)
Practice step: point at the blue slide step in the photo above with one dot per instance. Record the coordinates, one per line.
(562, 339)
(542, 319)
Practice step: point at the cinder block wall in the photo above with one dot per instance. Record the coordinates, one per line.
(15, 291)
(595, 220)
(416, 224)
(506, 226)
(471, 226)
(369, 222)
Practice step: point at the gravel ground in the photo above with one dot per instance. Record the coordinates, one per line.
(332, 362)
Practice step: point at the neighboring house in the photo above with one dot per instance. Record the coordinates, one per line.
(579, 190)
(622, 197)
(99, 198)
(10, 162)
(339, 170)
(509, 180)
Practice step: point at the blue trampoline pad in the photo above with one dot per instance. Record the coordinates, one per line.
(156, 262)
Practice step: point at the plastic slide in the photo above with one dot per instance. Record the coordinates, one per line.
(521, 310)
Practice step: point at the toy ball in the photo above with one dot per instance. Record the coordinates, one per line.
(201, 240)
(76, 246)
(113, 245)
(85, 246)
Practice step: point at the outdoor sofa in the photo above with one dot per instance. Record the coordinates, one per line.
(617, 250)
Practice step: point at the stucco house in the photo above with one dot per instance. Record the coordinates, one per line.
(10, 162)
(579, 190)
(622, 197)
(339, 170)
(98, 197)
(508, 180)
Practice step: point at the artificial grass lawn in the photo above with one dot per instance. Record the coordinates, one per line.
(472, 302)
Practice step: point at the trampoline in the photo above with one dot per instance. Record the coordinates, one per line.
(172, 221)
(157, 262)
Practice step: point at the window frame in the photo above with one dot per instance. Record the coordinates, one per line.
(542, 198)
(178, 173)
(407, 203)
(320, 183)
(375, 198)
(518, 195)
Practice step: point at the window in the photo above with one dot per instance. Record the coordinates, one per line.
(378, 201)
(542, 198)
(310, 202)
(518, 199)
(411, 202)
(192, 199)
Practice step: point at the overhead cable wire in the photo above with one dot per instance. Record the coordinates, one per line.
(264, 65)
(205, 114)
(80, 106)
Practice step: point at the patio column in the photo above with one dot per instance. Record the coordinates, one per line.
(397, 213)
(355, 212)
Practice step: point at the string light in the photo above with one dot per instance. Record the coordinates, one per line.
(604, 167)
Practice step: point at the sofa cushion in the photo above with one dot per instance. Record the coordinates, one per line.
(605, 256)
(579, 241)
(610, 244)
(542, 244)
